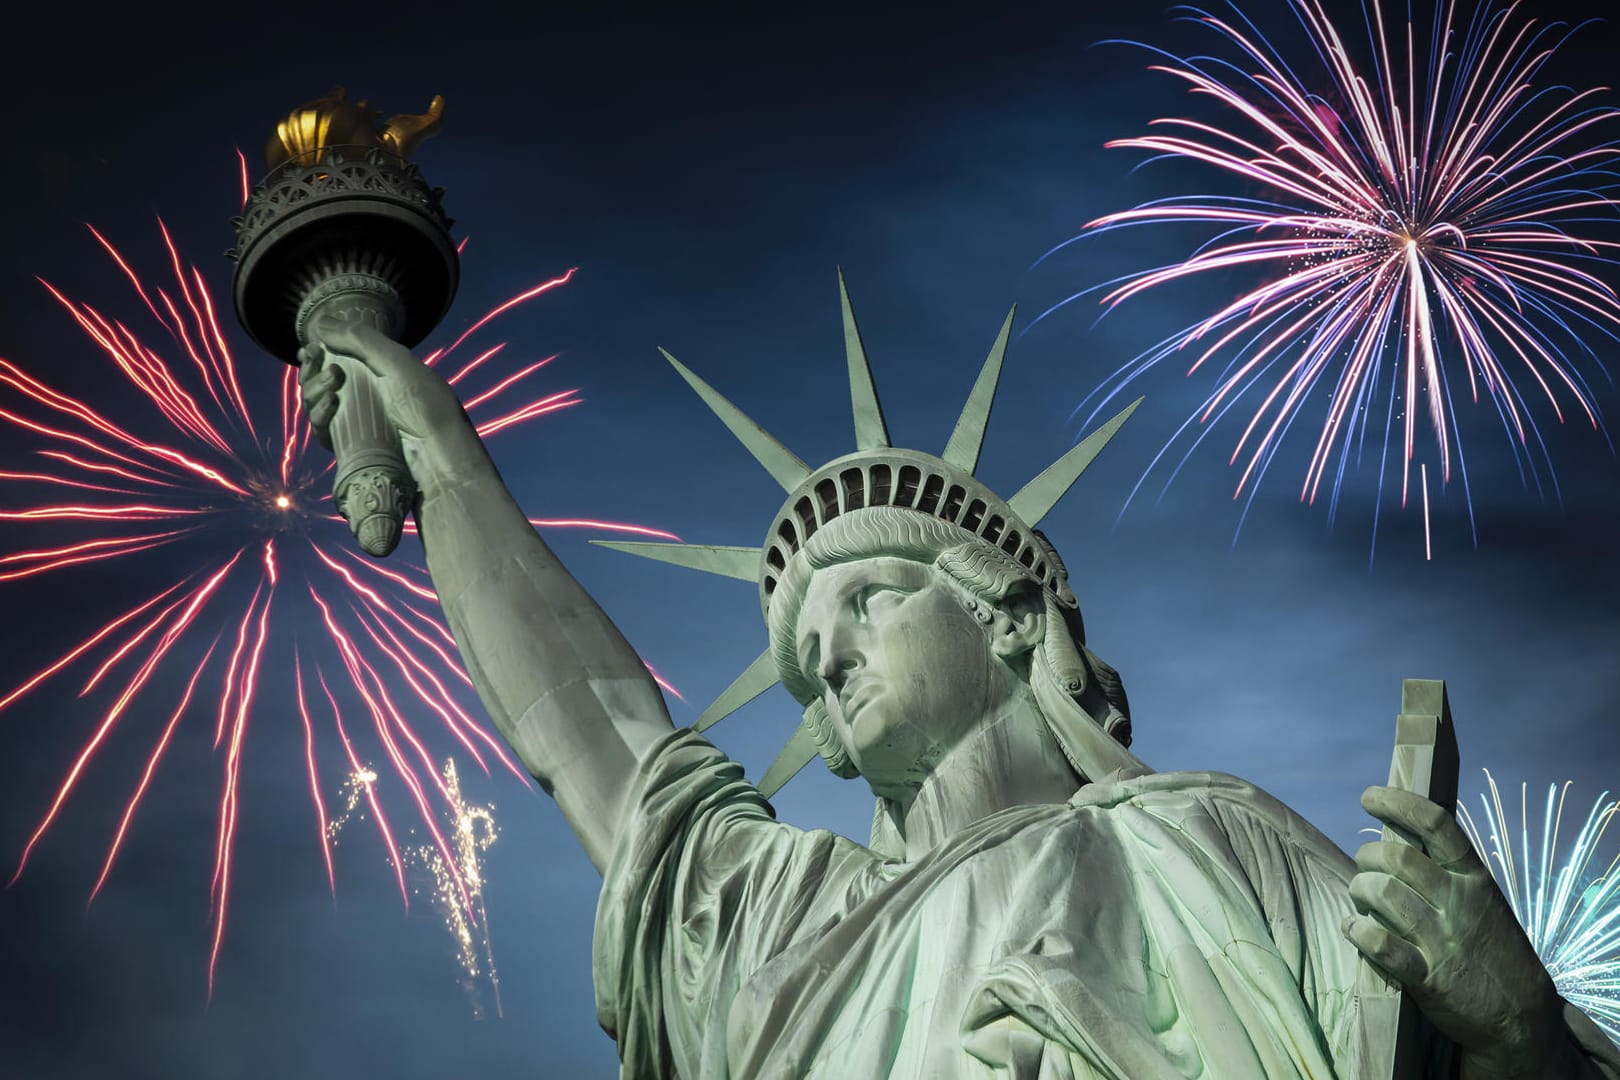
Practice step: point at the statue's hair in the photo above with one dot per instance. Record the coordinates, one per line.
(984, 577)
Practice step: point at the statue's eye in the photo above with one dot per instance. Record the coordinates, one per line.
(879, 599)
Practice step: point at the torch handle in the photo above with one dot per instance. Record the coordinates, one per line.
(373, 489)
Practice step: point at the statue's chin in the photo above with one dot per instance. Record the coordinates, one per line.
(896, 791)
(872, 741)
(890, 764)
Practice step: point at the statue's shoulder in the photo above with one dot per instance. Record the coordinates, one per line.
(1234, 803)
(1167, 788)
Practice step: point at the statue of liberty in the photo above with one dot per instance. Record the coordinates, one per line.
(1034, 901)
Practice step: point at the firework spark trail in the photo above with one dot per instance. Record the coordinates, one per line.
(110, 718)
(213, 486)
(375, 606)
(1570, 912)
(146, 776)
(219, 890)
(321, 820)
(1454, 207)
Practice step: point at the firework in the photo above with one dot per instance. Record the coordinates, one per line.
(1423, 215)
(466, 922)
(1568, 907)
(242, 507)
(473, 830)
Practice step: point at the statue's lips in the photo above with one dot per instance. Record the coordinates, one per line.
(855, 698)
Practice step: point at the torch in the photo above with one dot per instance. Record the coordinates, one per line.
(344, 225)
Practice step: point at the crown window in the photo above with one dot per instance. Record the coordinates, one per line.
(879, 485)
(807, 516)
(827, 492)
(854, 489)
(905, 494)
(932, 488)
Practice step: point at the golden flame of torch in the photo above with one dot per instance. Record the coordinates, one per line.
(334, 122)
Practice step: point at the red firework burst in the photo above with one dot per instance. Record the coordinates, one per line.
(251, 510)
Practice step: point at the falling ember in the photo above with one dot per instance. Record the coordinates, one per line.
(241, 508)
(1428, 553)
(1568, 906)
(1411, 224)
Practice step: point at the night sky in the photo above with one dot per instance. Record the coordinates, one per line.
(706, 173)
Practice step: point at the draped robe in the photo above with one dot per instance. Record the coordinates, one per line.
(1171, 926)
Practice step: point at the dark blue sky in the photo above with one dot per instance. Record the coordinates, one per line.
(706, 173)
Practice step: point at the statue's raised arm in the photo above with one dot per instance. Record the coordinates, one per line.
(557, 677)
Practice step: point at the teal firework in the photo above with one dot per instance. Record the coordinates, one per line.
(1565, 895)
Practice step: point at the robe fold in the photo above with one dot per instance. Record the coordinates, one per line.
(1171, 926)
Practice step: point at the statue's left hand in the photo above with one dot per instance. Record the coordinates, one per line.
(1434, 921)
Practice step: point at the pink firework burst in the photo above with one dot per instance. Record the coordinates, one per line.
(246, 510)
(1427, 218)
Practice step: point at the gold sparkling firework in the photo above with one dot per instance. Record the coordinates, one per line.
(458, 893)
(356, 786)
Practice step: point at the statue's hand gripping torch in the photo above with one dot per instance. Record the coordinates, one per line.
(343, 226)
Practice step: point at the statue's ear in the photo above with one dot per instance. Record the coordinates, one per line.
(1018, 624)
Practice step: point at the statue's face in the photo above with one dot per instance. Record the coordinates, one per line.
(905, 670)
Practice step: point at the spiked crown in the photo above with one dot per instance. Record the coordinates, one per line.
(877, 474)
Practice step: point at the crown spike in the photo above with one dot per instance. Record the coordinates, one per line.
(871, 433)
(759, 677)
(783, 464)
(1038, 496)
(732, 562)
(968, 438)
(799, 752)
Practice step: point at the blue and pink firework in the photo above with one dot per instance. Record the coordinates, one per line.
(1429, 215)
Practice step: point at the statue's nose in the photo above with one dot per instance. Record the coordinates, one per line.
(838, 659)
